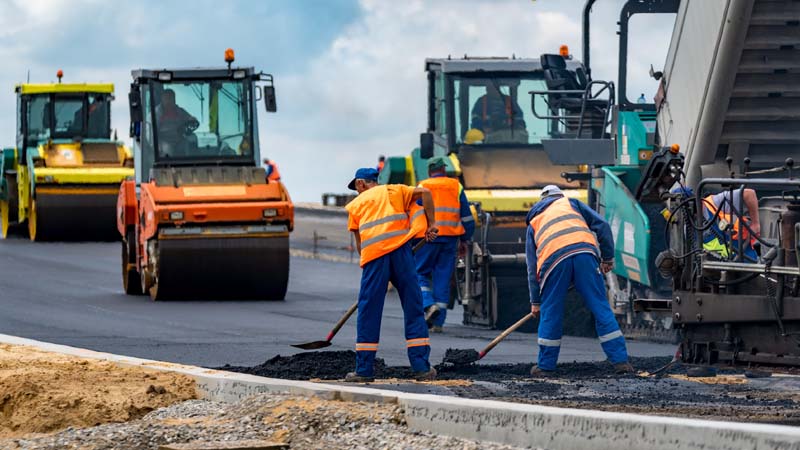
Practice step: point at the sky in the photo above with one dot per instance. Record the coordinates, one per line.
(349, 74)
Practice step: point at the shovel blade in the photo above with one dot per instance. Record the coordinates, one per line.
(461, 357)
(313, 345)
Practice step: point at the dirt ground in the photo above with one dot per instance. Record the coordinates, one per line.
(42, 392)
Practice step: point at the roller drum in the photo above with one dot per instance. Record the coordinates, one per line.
(74, 216)
(222, 267)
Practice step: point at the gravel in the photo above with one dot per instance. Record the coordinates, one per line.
(304, 423)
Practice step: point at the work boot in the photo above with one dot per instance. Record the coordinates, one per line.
(428, 375)
(538, 372)
(353, 377)
(437, 329)
(623, 368)
(431, 313)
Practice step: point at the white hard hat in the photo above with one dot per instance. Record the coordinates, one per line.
(551, 190)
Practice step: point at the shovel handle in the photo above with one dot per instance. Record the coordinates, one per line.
(354, 306)
(342, 321)
(503, 335)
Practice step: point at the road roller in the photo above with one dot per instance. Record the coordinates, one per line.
(200, 219)
(61, 179)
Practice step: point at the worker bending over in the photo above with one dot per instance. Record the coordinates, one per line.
(561, 249)
(380, 219)
(436, 261)
(722, 237)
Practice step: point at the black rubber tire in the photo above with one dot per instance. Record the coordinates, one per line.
(131, 280)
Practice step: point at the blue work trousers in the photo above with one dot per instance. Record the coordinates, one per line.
(397, 267)
(583, 270)
(436, 262)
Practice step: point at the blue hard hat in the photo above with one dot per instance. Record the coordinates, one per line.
(364, 173)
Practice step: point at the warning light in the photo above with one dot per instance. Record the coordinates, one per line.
(59, 74)
(563, 51)
(229, 57)
(675, 148)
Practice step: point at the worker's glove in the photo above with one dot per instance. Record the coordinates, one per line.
(535, 310)
(607, 266)
(432, 233)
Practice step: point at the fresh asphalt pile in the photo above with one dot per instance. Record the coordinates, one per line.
(729, 395)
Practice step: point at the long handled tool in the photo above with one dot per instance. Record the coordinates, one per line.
(315, 345)
(675, 360)
(464, 357)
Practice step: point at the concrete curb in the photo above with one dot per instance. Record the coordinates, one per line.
(510, 423)
(321, 256)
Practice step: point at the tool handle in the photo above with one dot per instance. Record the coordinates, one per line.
(418, 245)
(342, 321)
(503, 335)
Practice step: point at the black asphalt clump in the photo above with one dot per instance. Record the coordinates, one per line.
(334, 365)
(459, 357)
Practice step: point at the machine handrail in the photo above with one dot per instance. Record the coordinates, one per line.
(586, 95)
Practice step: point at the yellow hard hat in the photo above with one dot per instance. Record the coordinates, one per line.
(473, 136)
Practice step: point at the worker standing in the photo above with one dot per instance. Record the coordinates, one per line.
(379, 218)
(436, 261)
(562, 249)
(272, 170)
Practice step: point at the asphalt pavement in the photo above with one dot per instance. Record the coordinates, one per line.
(71, 293)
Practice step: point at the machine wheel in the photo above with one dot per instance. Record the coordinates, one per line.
(33, 224)
(131, 281)
(5, 219)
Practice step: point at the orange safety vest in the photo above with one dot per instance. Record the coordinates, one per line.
(557, 227)
(274, 175)
(726, 218)
(383, 221)
(446, 193)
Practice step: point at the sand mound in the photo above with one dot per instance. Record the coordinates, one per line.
(41, 392)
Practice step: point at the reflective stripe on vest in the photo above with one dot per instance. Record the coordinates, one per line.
(382, 227)
(446, 193)
(557, 227)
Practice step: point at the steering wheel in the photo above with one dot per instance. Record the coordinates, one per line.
(190, 126)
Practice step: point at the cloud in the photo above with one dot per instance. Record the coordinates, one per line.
(349, 76)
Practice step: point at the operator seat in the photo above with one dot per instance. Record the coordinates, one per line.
(558, 78)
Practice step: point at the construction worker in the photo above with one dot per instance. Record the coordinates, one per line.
(722, 236)
(379, 218)
(498, 117)
(562, 249)
(436, 261)
(381, 163)
(175, 126)
(272, 170)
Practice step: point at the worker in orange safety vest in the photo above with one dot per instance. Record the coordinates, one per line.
(380, 219)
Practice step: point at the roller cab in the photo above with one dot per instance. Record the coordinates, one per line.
(60, 181)
(480, 117)
(201, 219)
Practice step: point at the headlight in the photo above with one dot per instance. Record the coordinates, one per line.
(176, 215)
(239, 74)
(270, 212)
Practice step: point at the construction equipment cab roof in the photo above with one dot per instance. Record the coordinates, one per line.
(56, 88)
(195, 73)
(491, 64)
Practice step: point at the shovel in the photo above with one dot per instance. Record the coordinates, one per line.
(315, 345)
(464, 357)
